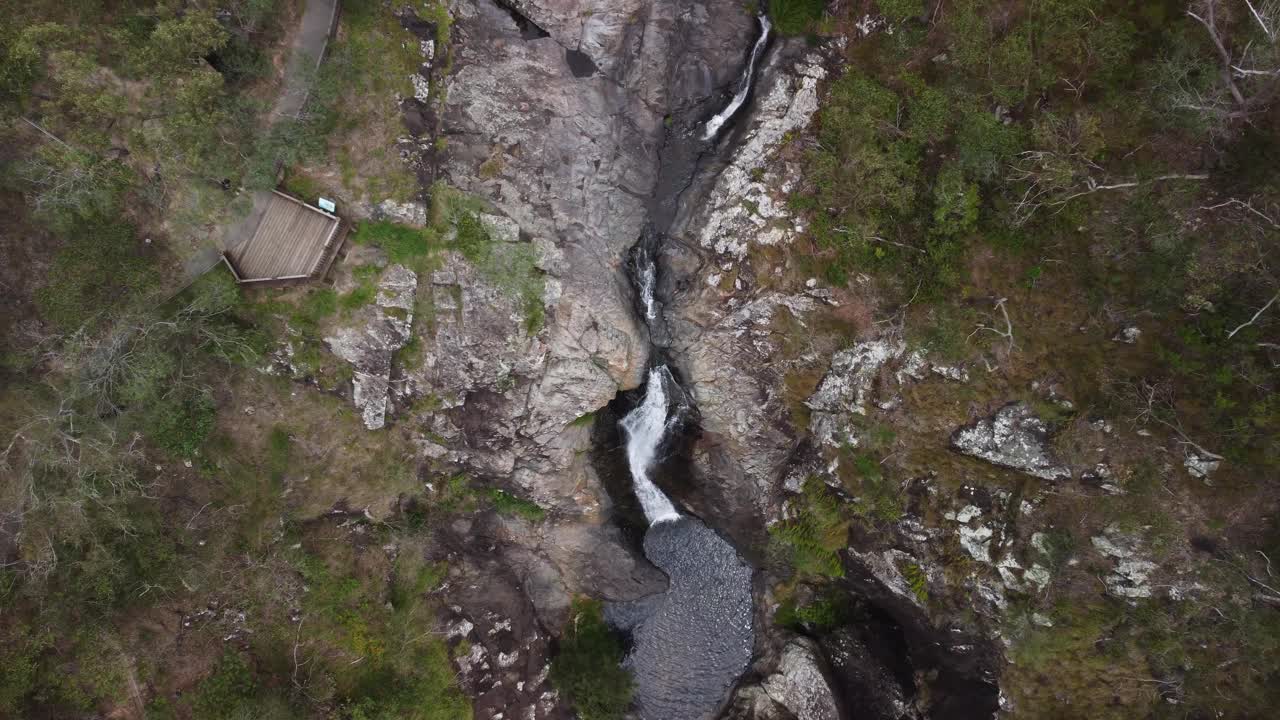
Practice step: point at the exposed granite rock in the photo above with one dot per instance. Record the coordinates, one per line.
(847, 387)
(736, 387)
(1014, 438)
(1129, 578)
(801, 684)
(884, 567)
(372, 336)
(1128, 336)
(743, 208)
(751, 702)
(954, 373)
(1201, 465)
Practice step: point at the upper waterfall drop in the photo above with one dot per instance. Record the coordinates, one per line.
(647, 281)
(645, 427)
(744, 83)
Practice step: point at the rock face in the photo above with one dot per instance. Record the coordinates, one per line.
(554, 112)
(1129, 578)
(725, 336)
(373, 336)
(1014, 438)
(801, 684)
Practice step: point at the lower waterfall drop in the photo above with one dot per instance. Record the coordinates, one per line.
(645, 427)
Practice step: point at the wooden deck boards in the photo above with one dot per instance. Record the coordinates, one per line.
(291, 241)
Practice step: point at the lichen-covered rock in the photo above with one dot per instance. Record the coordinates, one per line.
(1129, 578)
(801, 684)
(1014, 438)
(1201, 465)
(847, 388)
(744, 208)
(372, 336)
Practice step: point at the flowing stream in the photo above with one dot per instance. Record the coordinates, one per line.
(744, 82)
(690, 644)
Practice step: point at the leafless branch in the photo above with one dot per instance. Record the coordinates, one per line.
(1247, 207)
(1255, 316)
(875, 238)
(1007, 333)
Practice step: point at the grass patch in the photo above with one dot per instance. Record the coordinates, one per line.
(318, 304)
(588, 669)
(279, 449)
(101, 268)
(796, 17)
(508, 504)
(360, 295)
(403, 244)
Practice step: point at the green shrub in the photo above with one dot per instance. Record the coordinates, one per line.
(928, 111)
(20, 657)
(825, 613)
(810, 542)
(420, 686)
(230, 684)
(917, 580)
(182, 421)
(508, 504)
(898, 11)
(955, 203)
(796, 17)
(984, 145)
(588, 668)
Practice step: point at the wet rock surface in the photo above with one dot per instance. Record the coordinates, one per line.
(1014, 438)
(801, 684)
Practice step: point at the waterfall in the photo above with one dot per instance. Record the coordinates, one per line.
(648, 278)
(645, 427)
(744, 83)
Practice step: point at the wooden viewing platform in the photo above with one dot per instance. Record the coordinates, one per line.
(288, 242)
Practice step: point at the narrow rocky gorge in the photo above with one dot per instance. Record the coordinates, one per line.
(640, 179)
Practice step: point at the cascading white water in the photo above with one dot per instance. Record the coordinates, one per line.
(744, 83)
(645, 427)
(648, 278)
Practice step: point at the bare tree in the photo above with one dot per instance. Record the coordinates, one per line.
(1249, 66)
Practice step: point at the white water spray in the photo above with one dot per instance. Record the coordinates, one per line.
(645, 427)
(648, 279)
(744, 83)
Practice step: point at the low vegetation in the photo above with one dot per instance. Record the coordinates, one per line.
(810, 541)
(588, 669)
(147, 463)
(1059, 171)
(456, 223)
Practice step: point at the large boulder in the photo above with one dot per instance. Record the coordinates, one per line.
(1014, 438)
(802, 684)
